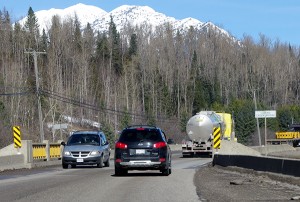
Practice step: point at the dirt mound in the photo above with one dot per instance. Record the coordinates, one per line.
(234, 148)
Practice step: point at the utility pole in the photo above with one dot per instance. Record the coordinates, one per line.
(34, 53)
(257, 123)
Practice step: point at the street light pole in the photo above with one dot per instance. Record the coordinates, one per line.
(34, 53)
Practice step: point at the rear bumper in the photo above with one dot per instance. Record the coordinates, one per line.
(141, 165)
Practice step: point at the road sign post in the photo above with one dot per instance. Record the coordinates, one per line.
(265, 114)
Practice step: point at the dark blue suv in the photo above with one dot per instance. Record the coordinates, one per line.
(142, 147)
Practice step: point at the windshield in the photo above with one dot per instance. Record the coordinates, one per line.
(84, 139)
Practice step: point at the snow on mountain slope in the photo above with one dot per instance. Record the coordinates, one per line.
(134, 15)
(123, 15)
(85, 13)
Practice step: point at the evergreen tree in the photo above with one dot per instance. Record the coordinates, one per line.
(245, 123)
(133, 45)
(77, 34)
(102, 47)
(31, 23)
(125, 121)
(285, 118)
(115, 48)
(32, 27)
(199, 102)
(44, 41)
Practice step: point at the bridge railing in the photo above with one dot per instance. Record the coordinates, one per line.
(46, 150)
(30, 155)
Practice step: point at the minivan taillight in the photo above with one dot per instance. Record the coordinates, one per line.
(121, 145)
(159, 145)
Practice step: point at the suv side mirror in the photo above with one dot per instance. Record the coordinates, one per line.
(63, 143)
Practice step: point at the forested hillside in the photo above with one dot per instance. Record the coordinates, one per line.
(144, 74)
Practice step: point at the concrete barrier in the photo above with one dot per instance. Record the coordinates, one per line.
(260, 163)
(17, 158)
(12, 162)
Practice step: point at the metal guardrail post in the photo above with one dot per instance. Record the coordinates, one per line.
(47, 149)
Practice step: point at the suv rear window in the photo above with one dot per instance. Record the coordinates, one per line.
(138, 135)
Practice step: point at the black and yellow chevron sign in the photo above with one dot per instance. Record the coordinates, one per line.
(17, 136)
(217, 137)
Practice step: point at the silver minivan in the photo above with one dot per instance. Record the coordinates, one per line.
(86, 148)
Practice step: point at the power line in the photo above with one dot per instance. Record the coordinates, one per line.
(57, 96)
(17, 93)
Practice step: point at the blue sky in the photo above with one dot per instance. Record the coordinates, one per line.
(276, 19)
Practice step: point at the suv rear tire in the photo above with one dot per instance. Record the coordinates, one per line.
(120, 171)
(166, 172)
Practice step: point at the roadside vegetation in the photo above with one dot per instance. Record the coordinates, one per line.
(140, 75)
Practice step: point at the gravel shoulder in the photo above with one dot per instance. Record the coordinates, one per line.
(216, 183)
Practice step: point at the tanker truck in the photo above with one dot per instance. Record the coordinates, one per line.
(199, 129)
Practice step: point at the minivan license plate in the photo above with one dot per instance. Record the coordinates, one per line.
(79, 160)
(140, 151)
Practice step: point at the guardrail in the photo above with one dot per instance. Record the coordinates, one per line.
(46, 150)
(287, 135)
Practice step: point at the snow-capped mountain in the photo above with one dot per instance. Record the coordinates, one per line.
(85, 13)
(134, 15)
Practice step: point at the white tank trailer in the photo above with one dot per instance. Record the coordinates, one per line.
(199, 129)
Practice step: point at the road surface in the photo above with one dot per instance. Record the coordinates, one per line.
(100, 184)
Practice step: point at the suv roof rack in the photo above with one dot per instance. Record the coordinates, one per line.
(78, 131)
(141, 126)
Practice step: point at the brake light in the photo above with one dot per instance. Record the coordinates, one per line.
(159, 145)
(120, 145)
(162, 159)
(118, 160)
(140, 129)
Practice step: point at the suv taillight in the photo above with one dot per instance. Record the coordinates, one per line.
(159, 145)
(120, 145)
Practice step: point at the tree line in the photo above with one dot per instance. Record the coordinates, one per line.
(142, 74)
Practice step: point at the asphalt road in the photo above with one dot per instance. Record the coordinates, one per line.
(100, 184)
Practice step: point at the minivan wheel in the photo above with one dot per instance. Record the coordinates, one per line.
(107, 163)
(100, 164)
(65, 166)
